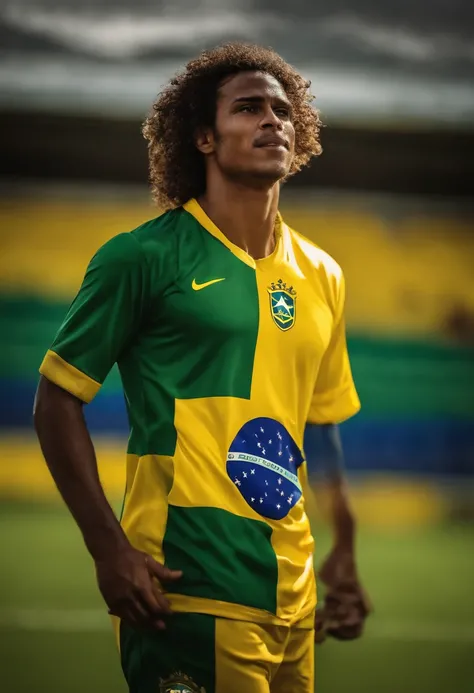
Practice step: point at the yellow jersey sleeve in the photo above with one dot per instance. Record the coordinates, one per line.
(335, 397)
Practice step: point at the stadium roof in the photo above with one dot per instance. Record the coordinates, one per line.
(370, 62)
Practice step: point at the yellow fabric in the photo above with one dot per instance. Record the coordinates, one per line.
(263, 659)
(68, 377)
(116, 629)
(145, 509)
(238, 612)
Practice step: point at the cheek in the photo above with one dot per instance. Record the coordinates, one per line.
(234, 142)
(290, 134)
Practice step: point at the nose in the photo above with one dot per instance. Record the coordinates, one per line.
(270, 119)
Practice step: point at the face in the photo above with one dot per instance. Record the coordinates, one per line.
(254, 137)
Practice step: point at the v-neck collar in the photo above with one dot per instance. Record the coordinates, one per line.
(275, 258)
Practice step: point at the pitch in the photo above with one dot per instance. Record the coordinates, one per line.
(55, 636)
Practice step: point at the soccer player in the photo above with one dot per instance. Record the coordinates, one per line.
(228, 331)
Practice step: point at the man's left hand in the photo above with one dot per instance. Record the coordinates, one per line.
(346, 604)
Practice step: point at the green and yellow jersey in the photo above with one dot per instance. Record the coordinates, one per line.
(223, 359)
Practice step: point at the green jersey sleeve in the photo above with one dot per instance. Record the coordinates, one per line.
(102, 319)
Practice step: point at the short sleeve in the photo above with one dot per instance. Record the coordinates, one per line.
(101, 320)
(335, 397)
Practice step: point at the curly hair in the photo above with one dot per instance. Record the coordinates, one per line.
(188, 103)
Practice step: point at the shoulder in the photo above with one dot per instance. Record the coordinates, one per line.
(322, 272)
(119, 252)
(154, 238)
(160, 234)
(315, 256)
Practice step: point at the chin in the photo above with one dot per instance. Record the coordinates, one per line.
(260, 175)
(272, 173)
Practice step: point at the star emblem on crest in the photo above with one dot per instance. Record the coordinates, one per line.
(282, 304)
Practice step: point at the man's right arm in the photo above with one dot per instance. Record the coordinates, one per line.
(69, 453)
(102, 320)
(125, 575)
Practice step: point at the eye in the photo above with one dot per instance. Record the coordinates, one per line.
(248, 108)
(282, 112)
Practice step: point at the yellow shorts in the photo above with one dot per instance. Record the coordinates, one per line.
(199, 653)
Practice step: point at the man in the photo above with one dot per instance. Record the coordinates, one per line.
(228, 331)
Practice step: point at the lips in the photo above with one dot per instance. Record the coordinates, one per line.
(271, 141)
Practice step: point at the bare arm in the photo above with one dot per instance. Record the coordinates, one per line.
(328, 460)
(70, 456)
(125, 575)
(346, 604)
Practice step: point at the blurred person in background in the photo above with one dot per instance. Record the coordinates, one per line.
(228, 330)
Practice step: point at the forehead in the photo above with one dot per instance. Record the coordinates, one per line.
(251, 84)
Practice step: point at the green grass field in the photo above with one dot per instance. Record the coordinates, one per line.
(55, 636)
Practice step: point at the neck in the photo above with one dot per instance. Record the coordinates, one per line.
(245, 216)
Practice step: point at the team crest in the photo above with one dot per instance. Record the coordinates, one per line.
(179, 683)
(282, 304)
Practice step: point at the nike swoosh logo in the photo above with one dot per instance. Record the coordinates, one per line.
(198, 287)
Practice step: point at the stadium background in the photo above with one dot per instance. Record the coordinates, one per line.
(391, 200)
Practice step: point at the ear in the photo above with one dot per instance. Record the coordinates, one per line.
(205, 141)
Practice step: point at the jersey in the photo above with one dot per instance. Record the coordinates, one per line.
(223, 360)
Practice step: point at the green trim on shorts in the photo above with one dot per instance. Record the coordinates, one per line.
(180, 659)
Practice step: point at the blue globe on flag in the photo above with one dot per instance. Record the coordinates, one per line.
(263, 463)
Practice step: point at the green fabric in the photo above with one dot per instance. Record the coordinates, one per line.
(137, 307)
(240, 569)
(187, 645)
